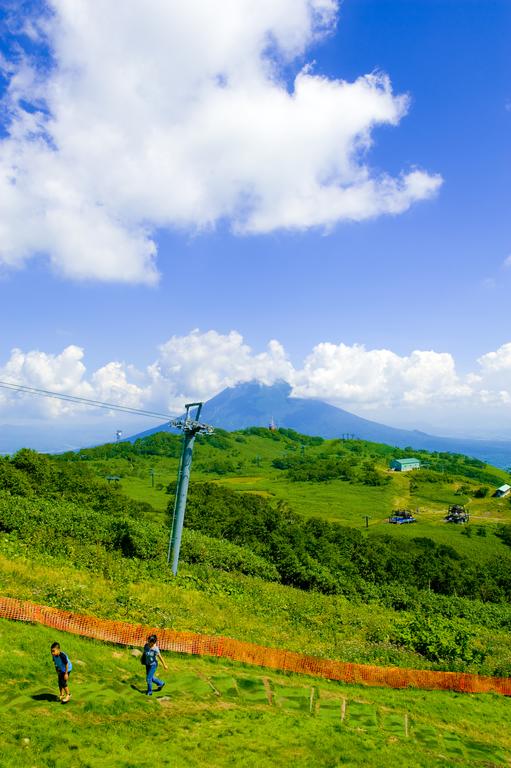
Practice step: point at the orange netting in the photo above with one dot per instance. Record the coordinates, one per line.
(248, 653)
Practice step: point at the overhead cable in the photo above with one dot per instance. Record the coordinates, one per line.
(82, 400)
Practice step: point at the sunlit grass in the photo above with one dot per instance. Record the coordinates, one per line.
(350, 504)
(243, 607)
(220, 714)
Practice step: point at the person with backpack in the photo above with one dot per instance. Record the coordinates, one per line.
(63, 667)
(150, 658)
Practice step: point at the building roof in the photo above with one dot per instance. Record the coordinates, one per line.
(504, 488)
(408, 461)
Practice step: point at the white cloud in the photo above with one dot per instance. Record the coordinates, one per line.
(495, 375)
(61, 373)
(507, 262)
(202, 364)
(377, 378)
(165, 114)
(498, 361)
(191, 367)
(110, 384)
(422, 388)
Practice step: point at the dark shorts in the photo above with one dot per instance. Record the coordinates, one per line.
(62, 682)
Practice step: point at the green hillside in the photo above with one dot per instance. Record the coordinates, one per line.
(357, 477)
(219, 714)
(276, 551)
(359, 490)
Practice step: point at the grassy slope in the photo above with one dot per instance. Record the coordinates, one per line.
(348, 504)
(111, 724)
(262, 477)
(336, 500)
(243, 607)
(221, 714)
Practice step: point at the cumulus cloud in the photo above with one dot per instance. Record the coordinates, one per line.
(494, 376)
(191, 367)
(110, 384)
(201, 364)
(498, 361)
(63, 373)
(377, 378)
(162, 114)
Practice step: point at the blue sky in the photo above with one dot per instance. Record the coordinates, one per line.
(348, 297)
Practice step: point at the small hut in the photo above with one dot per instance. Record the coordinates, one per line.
(405, 465)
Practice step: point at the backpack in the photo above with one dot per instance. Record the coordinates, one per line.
(148, 656)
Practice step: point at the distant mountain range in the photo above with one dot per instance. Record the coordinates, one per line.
(253, 405)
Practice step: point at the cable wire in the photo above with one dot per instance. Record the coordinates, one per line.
(83, 400)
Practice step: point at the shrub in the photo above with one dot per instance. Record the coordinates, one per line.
(139, 538)
(13, 480)
(217, 553)
(218, 467)
(438, 639)
(37, 467)
(369, 475)
(504, 533)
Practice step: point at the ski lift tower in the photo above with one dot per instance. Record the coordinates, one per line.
(190, 427)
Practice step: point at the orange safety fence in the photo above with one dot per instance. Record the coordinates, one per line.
(123, 633)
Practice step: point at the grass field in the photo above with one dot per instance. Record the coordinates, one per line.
(219, 714)
(216, 713)
(348, 504)
(247, 461)
(243, 607)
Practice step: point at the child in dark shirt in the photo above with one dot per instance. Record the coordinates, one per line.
(63, 667)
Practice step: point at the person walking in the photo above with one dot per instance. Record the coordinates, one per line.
(151, 657)
(63, 667)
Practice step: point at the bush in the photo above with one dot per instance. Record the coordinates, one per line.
(438, 639)
(37, 467)
(37, 519)
(98, 541)
(504, 533)
(13, 480)
(218, 467)
(310, 554)
(198, 548)
(369, 475)
(321, 469)
(139, 538)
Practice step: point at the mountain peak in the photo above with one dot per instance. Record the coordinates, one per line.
(254, 404)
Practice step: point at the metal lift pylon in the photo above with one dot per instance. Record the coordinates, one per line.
(190, 427)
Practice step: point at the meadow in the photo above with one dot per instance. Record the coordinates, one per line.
(245, 462)
(205, 600)
(219, 714)
(288, 545)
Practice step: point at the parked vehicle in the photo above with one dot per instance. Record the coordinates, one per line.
(400, 516)
(457, 514)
